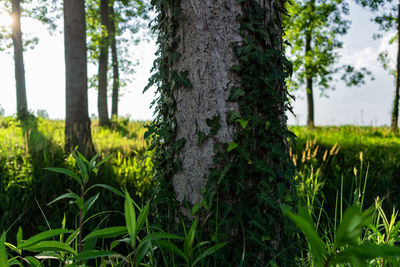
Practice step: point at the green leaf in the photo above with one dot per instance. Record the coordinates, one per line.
(82, 168)
(267, 124)
(243, 123)
(141, 252)
(157, 236)
(107, 232)
(3, 253)
(89, 203)
(66, 172)
(208, 252)
(93, 254)
(364, 252)
(130, 218)
(142, 217)
(304, 221)
(19, 236)
(92, 163)
(351, 226)
(201, 137)
(110, 188)
(42, 236)
(55, 246)
(172, 248)
(32, 261)
(66, 195)
(232, 146)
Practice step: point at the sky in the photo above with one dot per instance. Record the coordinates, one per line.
(369, 104)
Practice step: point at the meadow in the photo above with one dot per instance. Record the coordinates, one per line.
(337, 168)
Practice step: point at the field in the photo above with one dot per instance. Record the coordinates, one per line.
(337, 167)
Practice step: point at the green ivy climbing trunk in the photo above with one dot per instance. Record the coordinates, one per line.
(102, 105)
(77, 122)
(395, 113)
(220, 136)
(22, 106)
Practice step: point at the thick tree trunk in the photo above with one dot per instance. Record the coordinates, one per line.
(221, 63)
(395, 112)
(102, 105)
(114, 57)
(77, 122)
(22, 106)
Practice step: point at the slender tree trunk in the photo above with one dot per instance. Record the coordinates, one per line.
(309, 77)
(77, 122)
(114, 56)
(217, 71)
(22, 106)
(395, 113)
(102, 105)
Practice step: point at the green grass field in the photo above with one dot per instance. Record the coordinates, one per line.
(333, 165)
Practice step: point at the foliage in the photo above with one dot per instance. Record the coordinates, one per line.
(26, 148)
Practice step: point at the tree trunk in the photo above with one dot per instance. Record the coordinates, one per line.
(395, 113)
(221, 127)
(22, 106)
(77, 122)
(102, 105)
(114, 57)
(309, 75)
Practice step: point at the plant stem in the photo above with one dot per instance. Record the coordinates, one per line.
(80, 220)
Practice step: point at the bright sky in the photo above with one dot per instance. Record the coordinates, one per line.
(369, 104)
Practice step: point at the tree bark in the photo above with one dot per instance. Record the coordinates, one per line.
(77, 122)
(309, 75)
(395, 112)
(114, 57)
(202, 153)
(22, 106)
(102, 104)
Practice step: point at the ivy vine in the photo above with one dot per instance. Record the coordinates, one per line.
(254, 180)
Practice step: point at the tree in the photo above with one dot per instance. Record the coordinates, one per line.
(313, 31)
(102, 105)
(22, 105)
(77, 122)
(115, 65)
(388, 19)
(220, 135)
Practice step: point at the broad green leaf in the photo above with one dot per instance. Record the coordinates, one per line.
(103, 161)
(72, 236)
(66, 172)
(49, 255)
(88, 255)
(130, 218)
(92, 163)
(267, 124)
(208, 252)
(351, 226)
(63, 196)
(82, 158)
(13, 262)
(304, 221)
(110, 188)
(42, 236)
(243, 122)
(55, 246)
(232, 146)
(172, 248)
(107, 232)
(117, 242)
(3, 253)
(13, 248)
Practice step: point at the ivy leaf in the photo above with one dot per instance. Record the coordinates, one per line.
(267, 124)
(232, 146)
(236, 93)
(243, 122)
(202, 136)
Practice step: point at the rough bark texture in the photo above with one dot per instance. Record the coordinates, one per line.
(114, 58)
(208, 28)
(102, 104)
(77, 122)
(395, 113)
(22, 106)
